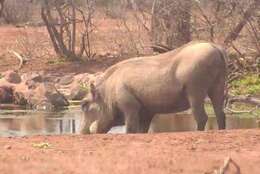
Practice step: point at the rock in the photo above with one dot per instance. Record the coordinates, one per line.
(44, 106)
(21, 94)
(7, 147)
(33, 76)
(36, 90)
(6, 94)
(46, 96)
(66, 80)
(37, 93)
(42, 96)
(78, 93)
(20, 99)
(77, 89)
(12, 77)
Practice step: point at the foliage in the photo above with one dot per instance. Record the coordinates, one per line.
(42, 145)
(64, 32)
(84, 86)
(17, 11)
(57, 61)
(249, 84)
(127, 28)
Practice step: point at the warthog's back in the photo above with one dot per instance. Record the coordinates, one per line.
(159, 81)
(190, 55)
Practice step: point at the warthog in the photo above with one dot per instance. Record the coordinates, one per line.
(133, 91)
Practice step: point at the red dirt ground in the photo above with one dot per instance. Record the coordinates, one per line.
(43, 54)
(178, 153)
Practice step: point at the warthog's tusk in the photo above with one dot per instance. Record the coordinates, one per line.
(93, 127)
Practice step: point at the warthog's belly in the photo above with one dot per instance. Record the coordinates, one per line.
(169, 103)
(158, 91)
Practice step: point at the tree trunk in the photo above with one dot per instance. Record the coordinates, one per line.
(58, 41)
(1, 7)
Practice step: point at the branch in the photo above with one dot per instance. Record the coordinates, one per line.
(20, 58)
(73, 32)
(233, 76)
(49, 27)
(160, 48)
(226, 165)
(245, 99)
(238, 28)
(64, 24)
(241, 112)
(254, 35)
(153, 18)
(212, 33)
(85, 46)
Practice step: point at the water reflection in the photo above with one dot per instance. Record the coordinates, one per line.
(39, 123)
(21, 123)
(186, 122)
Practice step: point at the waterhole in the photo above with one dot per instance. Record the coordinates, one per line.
(24, 123)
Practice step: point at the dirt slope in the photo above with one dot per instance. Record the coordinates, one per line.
(189, 153)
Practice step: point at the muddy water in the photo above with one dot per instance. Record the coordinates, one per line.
(22, 123)
(186, 122)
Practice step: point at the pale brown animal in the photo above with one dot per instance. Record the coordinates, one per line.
(133, 91)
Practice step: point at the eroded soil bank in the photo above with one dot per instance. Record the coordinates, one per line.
(188, 153)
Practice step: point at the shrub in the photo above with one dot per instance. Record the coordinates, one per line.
(17, 11)
(249, 84)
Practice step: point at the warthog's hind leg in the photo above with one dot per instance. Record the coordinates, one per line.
(216, 95)
(196, 100)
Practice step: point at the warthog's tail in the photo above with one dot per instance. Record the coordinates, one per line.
(224, 57)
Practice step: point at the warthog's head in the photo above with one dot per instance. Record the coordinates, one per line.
(91, 106)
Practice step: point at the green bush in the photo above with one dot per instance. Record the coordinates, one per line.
(249, 84)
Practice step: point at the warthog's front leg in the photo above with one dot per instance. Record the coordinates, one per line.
(103, 124)
(100, 126)
(132, 122)
(130, 107)
(145, 122)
